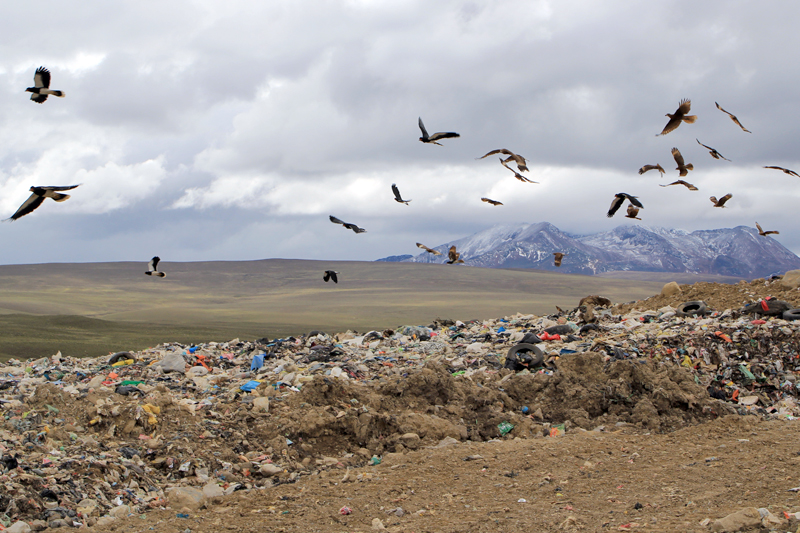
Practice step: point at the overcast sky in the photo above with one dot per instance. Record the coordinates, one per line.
(204, 130)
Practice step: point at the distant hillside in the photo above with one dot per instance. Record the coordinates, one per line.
(738, 252)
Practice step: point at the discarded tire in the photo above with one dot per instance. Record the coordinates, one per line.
(695, 307)
(537, 357)
(791, 314)
(120, 356)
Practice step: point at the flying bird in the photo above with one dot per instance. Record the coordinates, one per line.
(152, 268)
(651, 167)
(330, 274)
(490, 201)
(721, 201)
(733, 118)
(785, 171)
(436, 136)
(429, 250)
(518, 159)
(681, 182)
(41, 86)
(558, 257)
(453, 256)
(632, 212)
(713, 152)
(682, 167)
(678, 117)
(38, 196)
(619, 198)
(517, 175)
(347, 225)
(397, 197)
(765, 233)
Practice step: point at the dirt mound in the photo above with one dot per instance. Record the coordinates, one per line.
(718, 296)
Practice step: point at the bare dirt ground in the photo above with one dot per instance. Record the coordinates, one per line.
(581, 481)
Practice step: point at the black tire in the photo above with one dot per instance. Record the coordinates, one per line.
(538, 354)
(695, 307)
(120, 356)
(562, 329)
(791, 314)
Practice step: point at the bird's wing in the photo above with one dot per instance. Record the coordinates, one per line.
(334, 278)
(41, 78)
(736, 120)
(714, 200)
(443, 135)
(671, 125)
(500, 151)
(39, 98)
(336, 220)
(777, 168)
(678, 157)
(59, 187)
(633, 200)
(725, 198)
(422, 127)
(720, 108)
(687, 184)
(761, 231)
(152, 266)
(357, 229)
(685, 106)
(33, 201)
(704, 146)
(615, 205)
(396, 192)
(793, 173)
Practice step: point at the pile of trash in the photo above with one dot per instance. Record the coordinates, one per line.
(88, 440)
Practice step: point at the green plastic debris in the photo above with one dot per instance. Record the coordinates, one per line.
(505, 427)
(459, 373)
(51, 408)
(375, 460)
(131, 382)
(746, 372)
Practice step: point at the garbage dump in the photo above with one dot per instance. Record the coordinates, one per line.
(87, 441)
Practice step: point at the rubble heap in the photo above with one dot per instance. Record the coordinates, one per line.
(88, 440)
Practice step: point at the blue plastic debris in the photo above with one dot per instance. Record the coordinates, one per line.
(258, 362)
(250, 385)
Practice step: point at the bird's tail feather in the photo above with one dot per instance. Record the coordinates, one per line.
(59, 197)
(690, 119)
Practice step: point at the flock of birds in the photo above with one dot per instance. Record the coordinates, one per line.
(41, 91)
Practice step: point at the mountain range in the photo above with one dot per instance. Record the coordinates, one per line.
(738, 251)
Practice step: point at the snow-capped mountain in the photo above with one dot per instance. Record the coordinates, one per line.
(738, 251)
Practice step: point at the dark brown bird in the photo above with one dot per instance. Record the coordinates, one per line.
(517, 175)
(558, 257)
(453, 256)
(733, 118)
(436, 136)
(765, 233)
(37, 197)
(330, 275)
(721, 201)
(490, 201)
(429, 250)
(152, 268)
(632, 212)
(651, 167)
(681, 182)
(713, 152)
(682, 168)
(518, 159)
(678, 117)
(785, 171)
(619, 198)
(347, 225)
(397, 197)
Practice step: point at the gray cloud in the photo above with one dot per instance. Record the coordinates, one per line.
(232, 132)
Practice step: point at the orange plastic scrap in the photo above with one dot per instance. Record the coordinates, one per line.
(202, 360)
(758, 322)
(735, 395)
(722, 336)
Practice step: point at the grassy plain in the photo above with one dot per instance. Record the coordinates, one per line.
(97, 308)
